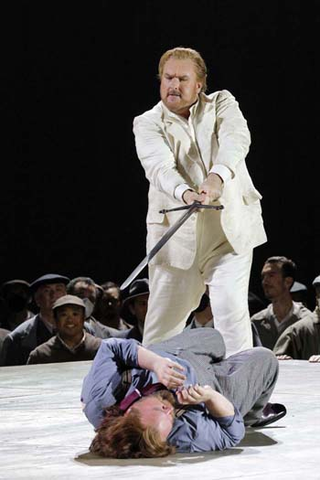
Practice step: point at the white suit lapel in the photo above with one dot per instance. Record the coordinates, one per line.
(178, 133)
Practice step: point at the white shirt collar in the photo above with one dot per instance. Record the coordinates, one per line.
(72, 349)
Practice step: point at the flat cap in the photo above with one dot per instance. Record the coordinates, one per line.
(48, 279)
(316, 281)
(137, 288)
(298, 287)
(68, 300)
(11, 283)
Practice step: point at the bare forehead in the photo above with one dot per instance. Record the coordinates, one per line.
(148, 401)
(112, 292)
(83, 286)
(271, 268)
(179, 67)
(51, 286)
(141, 298)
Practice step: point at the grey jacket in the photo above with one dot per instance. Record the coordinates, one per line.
(266, 326)
(302, 339)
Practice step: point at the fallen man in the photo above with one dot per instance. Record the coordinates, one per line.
(180, 395)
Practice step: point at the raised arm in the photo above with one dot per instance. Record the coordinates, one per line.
(217, 427)
(102, 387)
(217, 405)
(168, 372)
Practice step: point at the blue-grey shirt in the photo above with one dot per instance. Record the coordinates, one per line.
(196, 430)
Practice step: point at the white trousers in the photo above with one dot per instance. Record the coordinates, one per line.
(175, 293)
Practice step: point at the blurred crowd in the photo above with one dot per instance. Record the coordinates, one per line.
(55, 318)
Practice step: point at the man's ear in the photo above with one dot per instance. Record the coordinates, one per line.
(289, 282)
(36, 299)
(127, 412)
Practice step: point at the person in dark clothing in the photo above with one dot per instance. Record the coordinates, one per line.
(15, 303)
(40, 328)
(135, 307)
(71, 343)
(87, 289)
(108, 306)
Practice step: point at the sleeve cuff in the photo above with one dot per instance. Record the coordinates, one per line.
(222, 171)
(179, 191)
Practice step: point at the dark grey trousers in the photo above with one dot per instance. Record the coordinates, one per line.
(247, 378)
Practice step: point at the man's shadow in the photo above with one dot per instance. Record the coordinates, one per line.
(254, 439)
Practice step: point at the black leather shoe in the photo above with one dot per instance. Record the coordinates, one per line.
(272, 412)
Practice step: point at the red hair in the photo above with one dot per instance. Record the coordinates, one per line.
(124, 436)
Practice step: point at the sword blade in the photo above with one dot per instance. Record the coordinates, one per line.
(163, 240)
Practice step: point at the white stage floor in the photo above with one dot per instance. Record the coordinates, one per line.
(44, 434)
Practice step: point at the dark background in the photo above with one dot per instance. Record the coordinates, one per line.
(74, 75)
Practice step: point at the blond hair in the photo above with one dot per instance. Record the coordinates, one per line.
(183, 53)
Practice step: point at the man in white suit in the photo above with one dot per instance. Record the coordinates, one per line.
(192, 147)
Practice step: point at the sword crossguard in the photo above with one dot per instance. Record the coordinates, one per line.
(186, 207)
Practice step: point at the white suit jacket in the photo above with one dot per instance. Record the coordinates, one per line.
(164, 149)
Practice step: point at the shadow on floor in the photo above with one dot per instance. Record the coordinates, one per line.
(252, 439)
(170, 461)
(255, 438)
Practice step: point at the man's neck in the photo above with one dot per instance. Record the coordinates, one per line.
(185, 113)
(203, 317)
(72, 342)
(48, 322)
(140, 327)
(113, 321)
(281, 307)
(47, 317)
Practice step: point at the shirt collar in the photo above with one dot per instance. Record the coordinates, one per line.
(75, 348)
(47, 324)
(206, 325)
(293, 311)
(173, 116)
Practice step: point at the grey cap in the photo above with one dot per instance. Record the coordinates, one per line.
(298, 287)
(48, 279)
(68, 300)
(316, 281)
(6, 285)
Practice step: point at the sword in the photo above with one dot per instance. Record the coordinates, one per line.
(190, 210)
